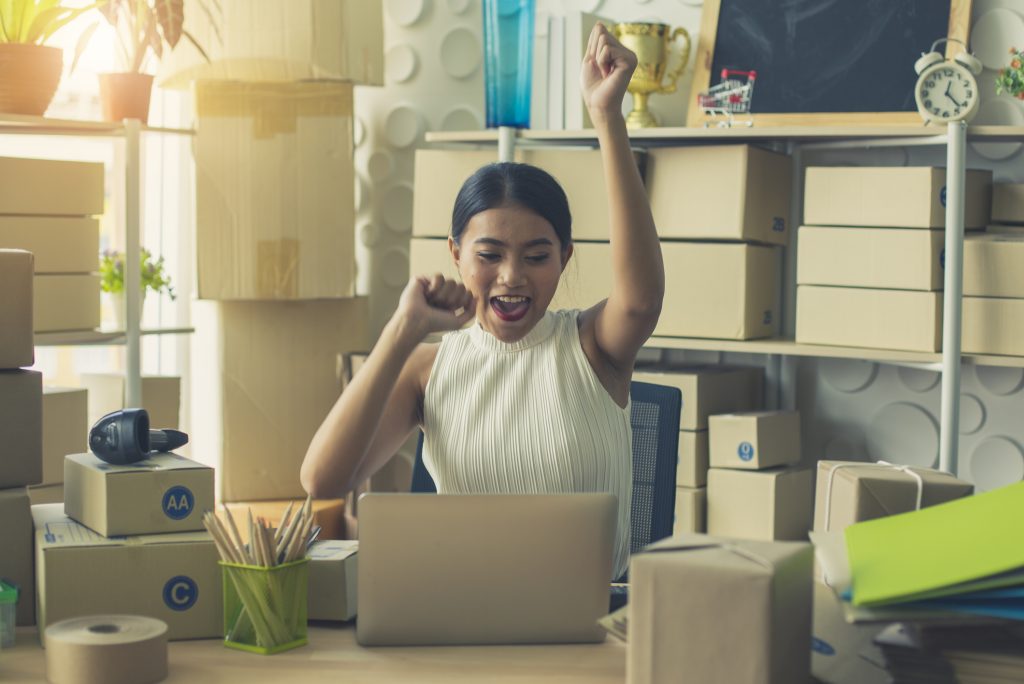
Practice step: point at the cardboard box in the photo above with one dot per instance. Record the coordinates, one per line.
(865, 491)
(171, 577)
(275, 190)
(1008, 202)
(760, 504)
(16, 342)
(21, 428)
(16, 560)
(65, 429)
(720, 192)
(755, 440)
(993, 265)
(691, 510)
(692, 595)
(837, 646)
(877, 319)
(692, 463)
(162, 494)
(274, 370)
(993, 326)
(50, 188)
(707, 389)
(66, 302)
(46, 494)
(333, 574)
(890, 196)
(883, 258)
(161, 397)
(61, 244)
(328, 514)
(428, 256)
(263, 40)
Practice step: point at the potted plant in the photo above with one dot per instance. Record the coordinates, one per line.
(1011, 78)
(152, 272)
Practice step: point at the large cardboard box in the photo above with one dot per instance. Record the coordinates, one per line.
(66, 302)
(161, 397)
(755, 440)
(171, 577)
(837, 647)
(720, 192)
(328, 515)
(692, 460)
(65, 429)
(265, 40)
(21, 428)
(707, 389)
(993, 265)
(993, 326)
(50, 188)
(890, 196)
(760, 504)
(61, 244)
(1008, 202)
(275, 190)
(694, 595)
(16, 558)
(161, 494)
(333, 573)
(274, 370)
(16, 342)
(884, 258)
(46, 494)
(848, 492)
(690, 510)
(877, 319)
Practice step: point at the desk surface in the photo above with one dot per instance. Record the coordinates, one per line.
(333, 655)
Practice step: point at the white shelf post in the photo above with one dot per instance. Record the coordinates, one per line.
(506, 143)
(132, 274)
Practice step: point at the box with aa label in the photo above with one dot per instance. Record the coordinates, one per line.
(16, 342)
(755, 440)
(876, 319)
(332, 580)
(65, 429)
(760, 504)
(66, 302)
(50, 187)
(993, 325)
(21, 428)
(885, 258)
(61, 244)
(708, 389)
(171, 577)
(692, 460)
(16, 551)
(163, 493)
(690, 510)
(993, 265)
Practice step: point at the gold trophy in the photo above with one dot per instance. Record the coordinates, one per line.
(650, 42)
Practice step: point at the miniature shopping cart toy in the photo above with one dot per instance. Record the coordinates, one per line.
(728, 97)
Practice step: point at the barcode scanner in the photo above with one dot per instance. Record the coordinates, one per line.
(124, 437)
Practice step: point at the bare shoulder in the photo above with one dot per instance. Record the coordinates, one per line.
(420, 363)
(614, 379)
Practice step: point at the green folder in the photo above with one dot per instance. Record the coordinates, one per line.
(965, 545)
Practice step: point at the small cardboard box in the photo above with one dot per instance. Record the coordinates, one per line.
(993, 326)
(1008, 202)
(51, 188)
(21, 428)
(690, 595)
(691, 510)
(760, 504)
(720, 192)
(328, 514)
(692, 462)
(849, 492)
(882, 258)
(332, 580)
(65, 429)
(876, 319)
(61, 244)
(707, 389)
(46, 494)
(161, 397)
(890, 196)
(993, 265)
(755, 440)
(164, 493)
(275, 190)
(16, 342)
(16, 559)
(66, 302)
(837, 646)
(171, 577)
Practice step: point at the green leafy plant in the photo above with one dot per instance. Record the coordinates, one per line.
(33, 22)
(153, 273)
(146, 26)
(1011, 78)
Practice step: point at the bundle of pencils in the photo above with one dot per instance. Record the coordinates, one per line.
(267, 547)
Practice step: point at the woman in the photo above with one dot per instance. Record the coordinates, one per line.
(525, 400)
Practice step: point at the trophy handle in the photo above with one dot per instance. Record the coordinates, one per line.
(673, 76)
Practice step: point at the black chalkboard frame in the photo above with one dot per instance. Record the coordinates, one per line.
(959, 27)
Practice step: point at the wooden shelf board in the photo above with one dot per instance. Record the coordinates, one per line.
(75, 338)
(40, 125)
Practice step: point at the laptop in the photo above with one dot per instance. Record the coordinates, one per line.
(483, 569)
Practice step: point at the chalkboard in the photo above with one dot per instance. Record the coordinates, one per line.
(824, 61)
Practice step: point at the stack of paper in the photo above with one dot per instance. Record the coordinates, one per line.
(954, 655)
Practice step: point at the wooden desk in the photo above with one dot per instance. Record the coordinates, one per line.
(334, 656)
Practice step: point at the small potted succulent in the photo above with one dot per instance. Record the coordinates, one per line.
(153, 273)
(1010, 79)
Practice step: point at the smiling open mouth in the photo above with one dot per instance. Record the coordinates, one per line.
(510, 307)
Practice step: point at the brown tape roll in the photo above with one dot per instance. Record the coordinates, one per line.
(106, 649)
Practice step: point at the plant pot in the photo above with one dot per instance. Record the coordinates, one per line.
(29, 76)
(117, 301)
(125, 96)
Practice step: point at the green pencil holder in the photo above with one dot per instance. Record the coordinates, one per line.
(265, 608)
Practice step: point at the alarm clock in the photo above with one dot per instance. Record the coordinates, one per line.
(946, 90)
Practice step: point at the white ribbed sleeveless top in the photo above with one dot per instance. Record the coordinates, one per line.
(527, 417)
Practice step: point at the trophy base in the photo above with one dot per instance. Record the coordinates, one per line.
(641, 118)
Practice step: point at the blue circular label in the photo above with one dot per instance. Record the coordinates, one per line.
(822, 647)
(178, 502)
(942, 195)
(180, 593)
(746, 451)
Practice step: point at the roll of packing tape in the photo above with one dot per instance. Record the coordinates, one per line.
(106, 649)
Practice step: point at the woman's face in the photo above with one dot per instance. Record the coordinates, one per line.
(510, 259)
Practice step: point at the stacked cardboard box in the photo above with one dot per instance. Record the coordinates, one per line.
(1007, 208)
(65, 431)
(869, 270)
(993, 311)
(161, 397)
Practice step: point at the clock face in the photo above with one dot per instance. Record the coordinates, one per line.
(946, 92)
